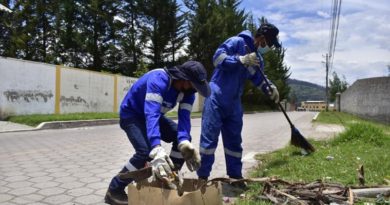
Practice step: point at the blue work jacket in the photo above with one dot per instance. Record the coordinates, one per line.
(228, 80)
(152, 96)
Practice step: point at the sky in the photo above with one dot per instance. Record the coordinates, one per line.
(363, 39)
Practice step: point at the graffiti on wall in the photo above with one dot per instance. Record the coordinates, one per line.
(77, 101)
(28, 95)
(71, 101)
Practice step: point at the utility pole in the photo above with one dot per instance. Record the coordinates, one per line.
(327, 88)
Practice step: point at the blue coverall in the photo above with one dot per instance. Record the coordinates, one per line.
(222, 112)
(142, 118)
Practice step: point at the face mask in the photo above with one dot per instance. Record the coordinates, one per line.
(263, 50)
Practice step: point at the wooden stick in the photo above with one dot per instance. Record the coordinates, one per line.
(370, 193)
(350, 196)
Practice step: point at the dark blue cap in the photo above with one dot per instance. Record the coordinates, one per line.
(196, 73)
(270, 33)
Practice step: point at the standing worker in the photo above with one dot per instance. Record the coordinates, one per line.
(142, 118)
(235, 61)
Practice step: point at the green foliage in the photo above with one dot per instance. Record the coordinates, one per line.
(336, 85)
(141, 70)
(346, 119)
(336, 160)
(210, 24)
(34, 120)
(118, 36)
(361, 133)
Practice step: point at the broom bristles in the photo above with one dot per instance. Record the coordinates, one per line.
(298, 140)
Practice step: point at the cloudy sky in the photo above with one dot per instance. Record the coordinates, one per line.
(363, 42)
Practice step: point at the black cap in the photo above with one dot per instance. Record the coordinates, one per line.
(196, 73)
(270, 33)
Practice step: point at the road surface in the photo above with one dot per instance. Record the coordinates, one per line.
(75, 166)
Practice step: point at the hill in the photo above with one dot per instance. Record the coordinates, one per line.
(302, 91)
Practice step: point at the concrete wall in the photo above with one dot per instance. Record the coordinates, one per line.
(368, 98)
(36, 88)
(26, 87)
(85, 91)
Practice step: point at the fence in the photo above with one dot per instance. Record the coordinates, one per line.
(37, 88)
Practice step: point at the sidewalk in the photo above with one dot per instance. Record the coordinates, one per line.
(6, 126)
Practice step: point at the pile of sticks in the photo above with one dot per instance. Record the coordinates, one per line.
(282, 192)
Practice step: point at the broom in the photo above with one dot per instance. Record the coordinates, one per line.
(296, 138)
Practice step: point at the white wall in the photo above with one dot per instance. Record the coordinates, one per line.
(26, 87)
(124, 85)
(86, 91)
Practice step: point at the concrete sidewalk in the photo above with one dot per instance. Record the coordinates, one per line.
(6, 126)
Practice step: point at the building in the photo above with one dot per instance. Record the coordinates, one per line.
(313, 105)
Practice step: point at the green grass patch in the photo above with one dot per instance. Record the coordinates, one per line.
(34, 120)
(336, 160)
(346, 119)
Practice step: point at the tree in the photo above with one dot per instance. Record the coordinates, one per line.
(177, 33)
(211, 23)
(70, 48)
(156, 29)
(336, 85)
(97, 25)
(131, 40)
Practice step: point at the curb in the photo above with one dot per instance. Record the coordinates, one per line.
(68, 124)
(315, 116)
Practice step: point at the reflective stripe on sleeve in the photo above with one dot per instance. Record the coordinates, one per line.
(185, 106)
(233, 154)
(219, 59)
(207, 151)
(153, 97)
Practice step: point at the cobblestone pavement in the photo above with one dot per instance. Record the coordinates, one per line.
(75, 166)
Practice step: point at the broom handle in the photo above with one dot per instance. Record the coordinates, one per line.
(269, 87)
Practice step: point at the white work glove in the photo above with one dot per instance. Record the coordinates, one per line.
(249, 60)
(273, 93)
(190, 155)
(162, 165)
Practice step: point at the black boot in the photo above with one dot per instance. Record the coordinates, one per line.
(115, 197)
(239, 184)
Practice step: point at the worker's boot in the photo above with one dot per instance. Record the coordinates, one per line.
(239, 184)
(116, 194)
(116, 197)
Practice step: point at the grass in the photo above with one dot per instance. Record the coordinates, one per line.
(34, 120)
(346, 119)
(362, 143)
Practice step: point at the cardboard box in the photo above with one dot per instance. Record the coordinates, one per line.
(145, 193)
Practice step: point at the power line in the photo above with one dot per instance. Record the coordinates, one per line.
(334, 26)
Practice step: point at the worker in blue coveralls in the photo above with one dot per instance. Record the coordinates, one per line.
(235, 61)
(142, 118)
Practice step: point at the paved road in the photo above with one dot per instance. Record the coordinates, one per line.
(74, 166)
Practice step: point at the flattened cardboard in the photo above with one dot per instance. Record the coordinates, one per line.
(145, 193)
